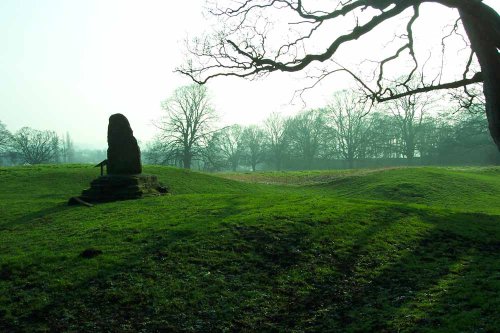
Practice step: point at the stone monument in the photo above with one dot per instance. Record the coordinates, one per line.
(124, 178)
(124, 156)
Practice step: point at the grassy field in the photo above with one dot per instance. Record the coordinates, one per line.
(407, 249)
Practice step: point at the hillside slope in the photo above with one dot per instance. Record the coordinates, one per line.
(31, 188)
(223, 255)
(467, 188)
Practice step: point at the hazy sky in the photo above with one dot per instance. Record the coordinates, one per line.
(66, 65)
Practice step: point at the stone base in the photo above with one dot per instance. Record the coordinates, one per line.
(121, 187)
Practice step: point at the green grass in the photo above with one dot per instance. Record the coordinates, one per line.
(467, 189)
(410, 249)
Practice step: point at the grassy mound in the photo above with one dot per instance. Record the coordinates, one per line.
(223, 255)
(468, 189)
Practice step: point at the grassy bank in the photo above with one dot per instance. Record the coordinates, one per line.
(414, 249)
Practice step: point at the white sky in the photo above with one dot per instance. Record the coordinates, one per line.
(67, 65)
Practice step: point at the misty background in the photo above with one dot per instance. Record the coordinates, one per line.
(66, 66)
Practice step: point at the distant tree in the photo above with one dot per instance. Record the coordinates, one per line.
(89, 155)
(350, 125)
(470, 130)
(211, 154)
(35, 147)
(67, 149)
(5, 142)
(231, 144)
(409, 112)
(307, 131)
(5, 138)
(189, 119)
(275, 128)
(382, 139)
(463, 139)
(435, 132)
(253, 139)
(158, 152)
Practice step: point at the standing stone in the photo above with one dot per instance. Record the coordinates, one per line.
(124, 156)
(125, 179)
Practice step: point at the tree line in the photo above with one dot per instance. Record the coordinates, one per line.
(33, 146)
(345, 133)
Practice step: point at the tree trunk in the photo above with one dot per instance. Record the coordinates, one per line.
(186, 160)
(308, 161)
(350, 162)
(482, 25)
(410, 151)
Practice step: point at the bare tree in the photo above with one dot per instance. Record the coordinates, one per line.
(253, 139)
(211, 154)
(249, 45)
(307, 132)
(383, 136)
(275, 127)
(159, 152)
(5, 142)
(189, 119)
(409, 112)
(350, 125)
(231, 145)
(36, 146)
(5, 138)
(67, 149)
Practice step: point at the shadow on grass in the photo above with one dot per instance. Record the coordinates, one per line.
(42, 215)
(282, 277)
(369, 294)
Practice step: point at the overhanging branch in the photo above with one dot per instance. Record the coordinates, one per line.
(477, 78)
